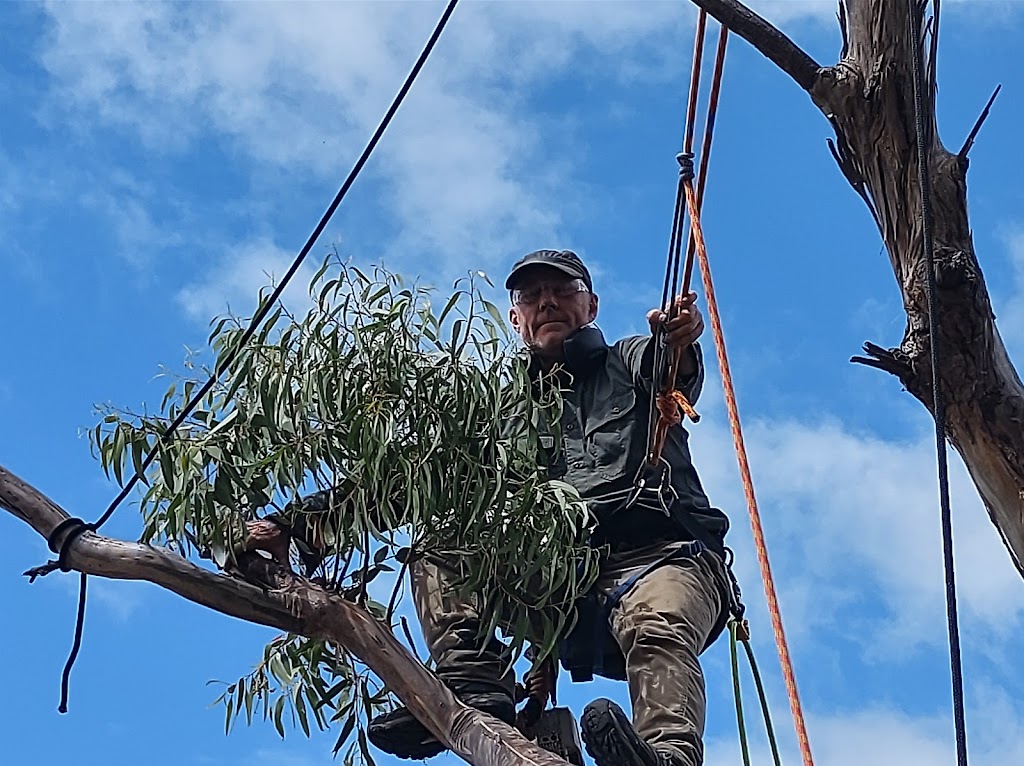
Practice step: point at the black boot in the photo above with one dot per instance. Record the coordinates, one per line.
(400, 734)
(611, 740)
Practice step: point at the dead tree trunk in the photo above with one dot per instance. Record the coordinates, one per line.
(868, 97)
(296, 606)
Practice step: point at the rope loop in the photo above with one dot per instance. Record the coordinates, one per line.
(75, 528)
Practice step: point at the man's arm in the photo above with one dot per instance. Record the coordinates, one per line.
(638, 354)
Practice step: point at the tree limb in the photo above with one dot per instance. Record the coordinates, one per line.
(296, 606)
(778, 48)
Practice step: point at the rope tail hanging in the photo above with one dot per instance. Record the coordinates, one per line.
(671, 405)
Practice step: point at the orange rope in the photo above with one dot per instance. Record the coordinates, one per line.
(748, 482)
(696, 243)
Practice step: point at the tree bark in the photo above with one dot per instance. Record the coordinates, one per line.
(868, 98)
(297, 606)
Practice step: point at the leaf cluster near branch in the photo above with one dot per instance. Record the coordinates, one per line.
(388, 430)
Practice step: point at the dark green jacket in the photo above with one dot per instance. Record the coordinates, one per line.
(605, 430)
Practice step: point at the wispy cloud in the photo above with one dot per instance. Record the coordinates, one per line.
(1010, 302)
(299, 92)
(886, 736)
(852, 520)
(473, 171)
(281, 757)
(120, 598)
(234, 283)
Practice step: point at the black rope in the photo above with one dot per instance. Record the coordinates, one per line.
(264, 309)
(71, 529)
(924, 181)
(65, 678)
(77, 526)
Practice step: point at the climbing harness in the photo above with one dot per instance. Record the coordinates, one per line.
(77, 526)
(688, 204)
(915, 15)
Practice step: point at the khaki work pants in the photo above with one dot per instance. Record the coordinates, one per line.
(661, 625)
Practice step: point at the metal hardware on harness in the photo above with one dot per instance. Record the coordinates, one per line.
(556, 731)
(742, 629)
(662, 487)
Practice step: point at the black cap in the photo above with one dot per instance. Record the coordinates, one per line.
(564, 260)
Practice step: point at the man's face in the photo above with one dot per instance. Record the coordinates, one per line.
(547, 307)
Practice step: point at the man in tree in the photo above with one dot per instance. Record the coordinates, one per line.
(664, 591)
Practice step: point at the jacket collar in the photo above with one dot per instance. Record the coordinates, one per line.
(585, 351)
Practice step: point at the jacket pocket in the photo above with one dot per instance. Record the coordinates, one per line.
(610, 433)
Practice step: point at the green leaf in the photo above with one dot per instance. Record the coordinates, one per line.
(433, 434)
(452, 301)
(300, 708)
(278, 712)
(343, 735)
(227, 717)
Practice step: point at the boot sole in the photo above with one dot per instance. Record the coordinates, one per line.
(605, 737)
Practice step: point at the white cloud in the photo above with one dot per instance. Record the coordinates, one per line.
(235, 282)
(895, 740)
(783, 11)
(131, 208)
(122, 599)
(884, 736)
(1010, 310)
(852, 526)
(281, 756)
(301, 91)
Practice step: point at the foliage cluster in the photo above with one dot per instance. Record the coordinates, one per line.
(421, 430)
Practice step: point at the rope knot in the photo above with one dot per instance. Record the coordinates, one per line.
(673, 405)
(685, 160)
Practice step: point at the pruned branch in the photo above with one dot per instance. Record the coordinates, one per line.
(778, 48)
(890, 360)
(969, 142)
(296, 606)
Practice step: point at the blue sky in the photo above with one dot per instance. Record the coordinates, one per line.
(157, 160)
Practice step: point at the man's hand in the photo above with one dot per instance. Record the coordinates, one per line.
(267, 536)
(684, 328)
